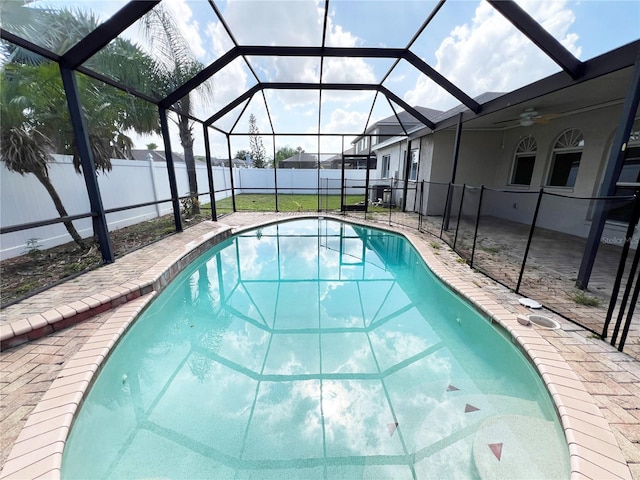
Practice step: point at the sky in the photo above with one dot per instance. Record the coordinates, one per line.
(467, 41)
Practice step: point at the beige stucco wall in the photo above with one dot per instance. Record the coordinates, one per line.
(486, 158)
(597, 126)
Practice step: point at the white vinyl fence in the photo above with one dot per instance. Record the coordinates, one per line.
(24, 200)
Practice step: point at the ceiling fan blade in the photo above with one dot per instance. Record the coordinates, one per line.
(507, 121)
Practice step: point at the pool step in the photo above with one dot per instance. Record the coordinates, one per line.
(517, 446)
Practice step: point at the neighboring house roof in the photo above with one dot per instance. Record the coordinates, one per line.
(157, 155)
(420, 130)
(406, 119)
(338, 157)
(299, 160)
(482, 98)
(224, 162)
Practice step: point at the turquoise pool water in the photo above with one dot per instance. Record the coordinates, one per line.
(314, 349)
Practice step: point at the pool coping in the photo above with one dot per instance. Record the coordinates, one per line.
(37, 452)
(155, 279)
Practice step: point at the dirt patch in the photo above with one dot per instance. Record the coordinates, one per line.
(38, 269)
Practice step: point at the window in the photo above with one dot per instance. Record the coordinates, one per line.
(413, 169)
(386, 163)
(629, 180)
(565, 161)
(523, 162)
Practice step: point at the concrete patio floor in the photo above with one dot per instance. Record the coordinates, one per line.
(610, 378)
(551, 268)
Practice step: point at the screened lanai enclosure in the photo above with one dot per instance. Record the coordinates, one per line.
(491, 125)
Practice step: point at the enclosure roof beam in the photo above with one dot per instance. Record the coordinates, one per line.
(408, 108)
(49, 55)
(259, 50)
(286, 86)
(430, 72)
(199, 78)
(294, 51)
(115, 84)
(538, 35)
(238, 101)
(106, 32)
(26, 44)
(314, 86)
(321, 52)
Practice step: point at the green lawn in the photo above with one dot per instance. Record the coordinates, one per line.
(286, 203)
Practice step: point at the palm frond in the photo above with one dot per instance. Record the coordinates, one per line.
(24, 151)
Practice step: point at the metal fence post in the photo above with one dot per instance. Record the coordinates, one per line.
(391, 197)
(632, 307)
(623, 261)
(171, 171)
(81, 136)
(625, 297)
(445, 216)
(233, 188)
(475, 233)
(275, 171)
(420, 207)
(455, 238)
(526, 250)
(207, 153)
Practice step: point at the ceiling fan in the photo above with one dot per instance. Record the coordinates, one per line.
(529, 117)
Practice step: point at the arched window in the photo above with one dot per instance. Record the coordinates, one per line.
(629, 179)
(565, 159)
(524, 161)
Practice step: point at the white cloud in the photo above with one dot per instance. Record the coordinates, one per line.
(345, 121)
(189, 27)
(489, 54)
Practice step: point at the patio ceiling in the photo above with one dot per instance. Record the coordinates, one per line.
(324, 65)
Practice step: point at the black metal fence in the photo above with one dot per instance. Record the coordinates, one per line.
(533, 242)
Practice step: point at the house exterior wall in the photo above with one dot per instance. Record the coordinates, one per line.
(397, 153)
(487, 157)
(476, 163)
(572, 216)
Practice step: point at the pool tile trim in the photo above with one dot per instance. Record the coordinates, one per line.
(594, 451)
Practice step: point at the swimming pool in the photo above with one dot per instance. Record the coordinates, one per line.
(314, 348)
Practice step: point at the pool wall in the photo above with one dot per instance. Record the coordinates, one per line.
(594, 451)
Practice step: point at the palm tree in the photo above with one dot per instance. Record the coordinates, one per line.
(24, 145)
(177, 63)
(35, 120)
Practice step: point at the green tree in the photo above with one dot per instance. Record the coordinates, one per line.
(242, 154)
(35, 120)
(176, 63)
(258, 154)
(285, 152)
(151, 146)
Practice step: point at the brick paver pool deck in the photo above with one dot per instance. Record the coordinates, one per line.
(54, 341)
